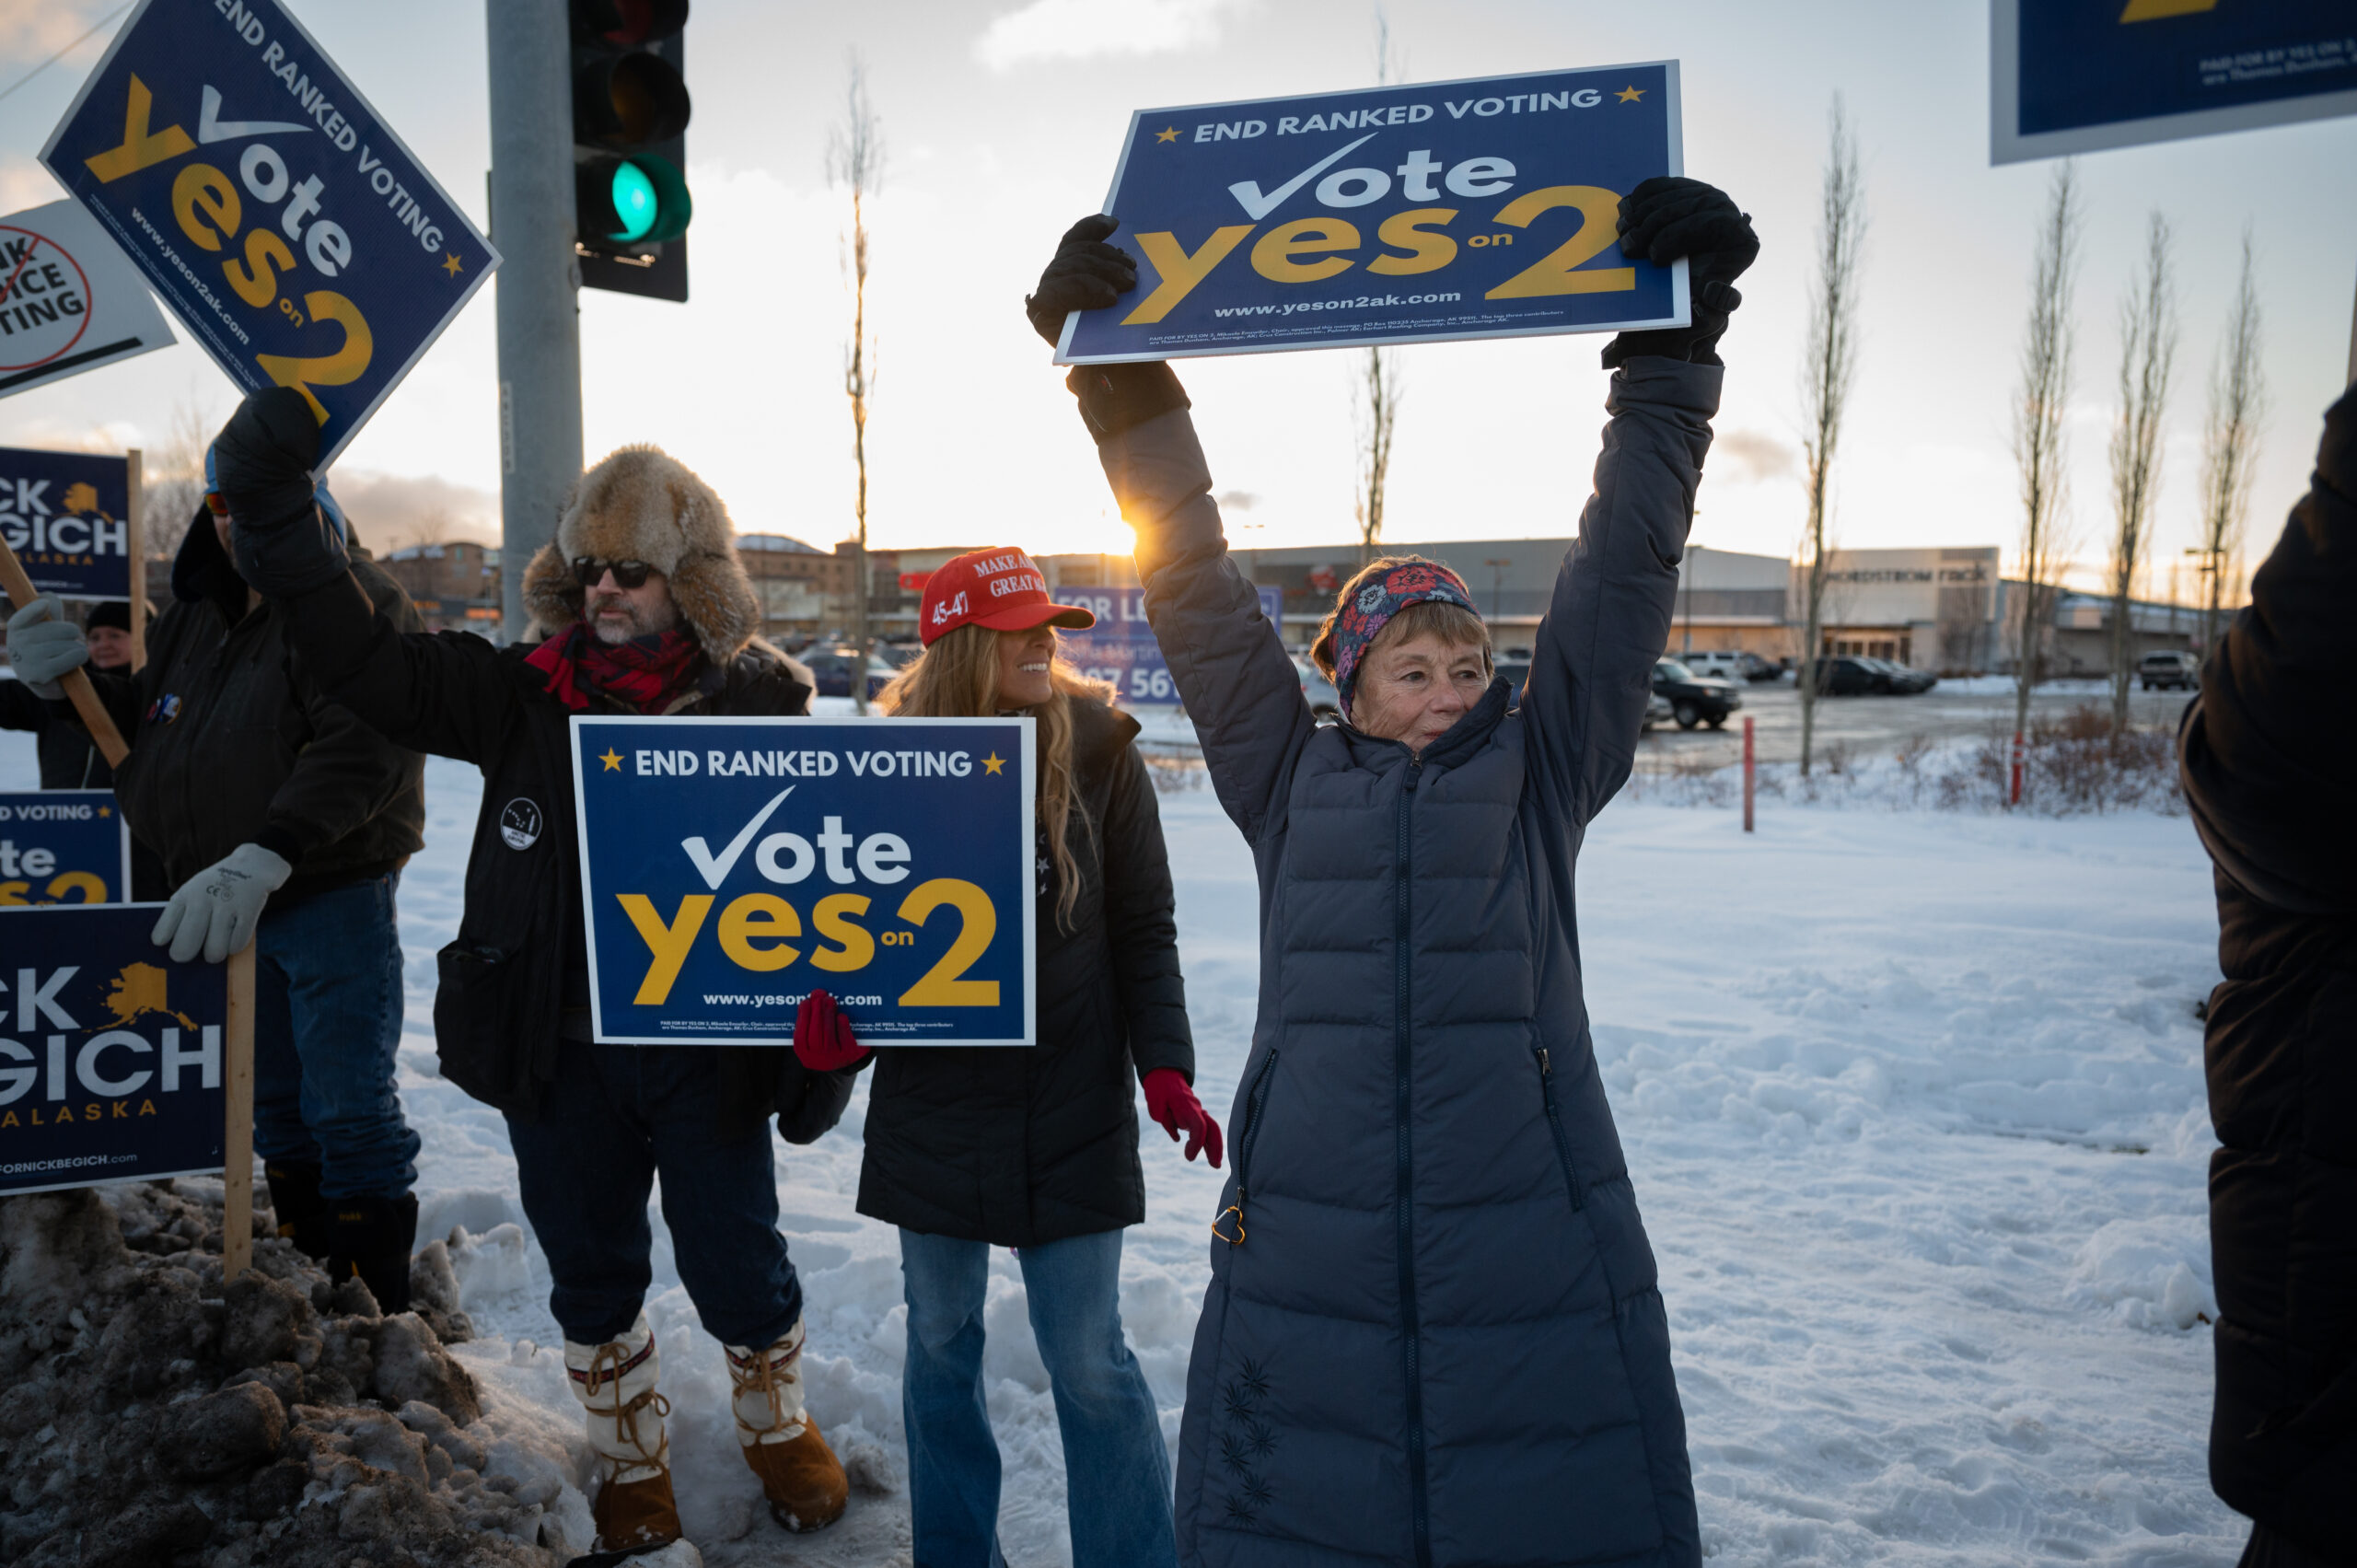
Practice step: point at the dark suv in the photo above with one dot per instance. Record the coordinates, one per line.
(2169, 671)
(1694, 699)
(1850, 675)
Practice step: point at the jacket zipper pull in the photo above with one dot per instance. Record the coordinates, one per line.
(1544, 1070)
(1236, 1209)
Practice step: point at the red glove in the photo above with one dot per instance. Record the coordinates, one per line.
(822, 1036)
(1169, 1101)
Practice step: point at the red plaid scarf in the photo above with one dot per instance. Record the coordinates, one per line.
(643, 674)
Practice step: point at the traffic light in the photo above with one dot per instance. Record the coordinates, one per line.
(630, 121)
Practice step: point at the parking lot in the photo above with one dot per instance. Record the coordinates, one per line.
(1876, 726)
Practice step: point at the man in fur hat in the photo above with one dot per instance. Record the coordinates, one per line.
(646, 610)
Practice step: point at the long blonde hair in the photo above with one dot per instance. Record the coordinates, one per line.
(957, 677)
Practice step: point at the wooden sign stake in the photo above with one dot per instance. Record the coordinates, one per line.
(85, 696)
(238, 1139)
(136, 543)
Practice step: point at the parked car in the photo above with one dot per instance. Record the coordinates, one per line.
(1657, 711)
(2169, 671)
(1756, 669)
(1721, 664)
(833, 668)
(1850, 675)
(1325, 702)
(1694, 699)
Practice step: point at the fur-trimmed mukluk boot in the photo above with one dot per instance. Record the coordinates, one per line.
(800, 1475)
(615, 1383)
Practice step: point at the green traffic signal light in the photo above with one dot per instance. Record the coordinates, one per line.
(635, 204)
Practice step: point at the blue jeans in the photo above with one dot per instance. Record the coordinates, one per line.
(1117, 1472)
(615, 1116)
(327, 1022)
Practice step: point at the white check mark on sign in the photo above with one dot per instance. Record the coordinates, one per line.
(715, 871)
(1257, 207)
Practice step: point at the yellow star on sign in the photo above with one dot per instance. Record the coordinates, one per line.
(992, 764)
(613, 761)
(1630, 95)
(1169, 135)
(106, 810)
(450, 264)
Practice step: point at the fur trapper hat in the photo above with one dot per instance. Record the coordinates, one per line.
(642, 503)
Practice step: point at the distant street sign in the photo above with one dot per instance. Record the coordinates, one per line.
(1121, 647)
(269, 205)
(69, 301)
(2080, 76)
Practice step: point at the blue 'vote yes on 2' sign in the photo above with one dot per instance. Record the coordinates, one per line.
(109, 1052)
(63, 846)
(267, 204)
(1446, 210)
(731, 867)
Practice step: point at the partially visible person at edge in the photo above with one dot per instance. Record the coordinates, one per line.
(1434, 1332)
(69, 758)
(280, 818)
(1035, 1149)
(646, 610)
(2269, 791)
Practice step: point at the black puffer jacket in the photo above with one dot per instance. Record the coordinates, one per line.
(505, 980)
(69, 758)
(232, 741)
(2269, 774)
(1023, 1147)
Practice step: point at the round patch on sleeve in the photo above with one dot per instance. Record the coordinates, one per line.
(520, 824)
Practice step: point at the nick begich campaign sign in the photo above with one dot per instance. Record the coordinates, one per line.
(267, 204)
(67, 516)
(109, 1052)
(730, 866)
(1444, 210)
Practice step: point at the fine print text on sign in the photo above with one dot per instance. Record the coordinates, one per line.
(1446, 210)
(68, 300)
(109, 1052)
(267, 204)
(63, 846)
(67, 516)
(1121, 647)
(730, 866)
(2067, 77)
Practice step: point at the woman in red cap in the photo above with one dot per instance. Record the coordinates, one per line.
(1035, 1149)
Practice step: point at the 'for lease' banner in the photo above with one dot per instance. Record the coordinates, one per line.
(730, 866)
(1475, 209)
(109, 1052)
(267, 204)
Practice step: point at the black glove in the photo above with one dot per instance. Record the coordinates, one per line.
(1087, 274)
(262, 462)
(1666, 218)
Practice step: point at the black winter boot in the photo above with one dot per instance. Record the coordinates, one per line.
(296, 1204)
(372, 1238)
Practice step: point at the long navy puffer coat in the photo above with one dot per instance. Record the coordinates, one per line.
(1433, 1335)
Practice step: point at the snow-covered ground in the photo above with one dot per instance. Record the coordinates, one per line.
(1914, 1100)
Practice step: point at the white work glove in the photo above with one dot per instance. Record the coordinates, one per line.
(217, 909)
(44, 644)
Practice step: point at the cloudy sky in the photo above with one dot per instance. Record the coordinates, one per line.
(1002, 118)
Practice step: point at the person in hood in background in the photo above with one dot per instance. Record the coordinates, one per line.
(646, 610)
(2268, 786)
(69, 758)
(1434, 1333)
(1035, 1149)
(280, 818)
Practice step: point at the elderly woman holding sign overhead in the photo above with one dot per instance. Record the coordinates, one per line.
(1035, 1149)
(1434, 1334)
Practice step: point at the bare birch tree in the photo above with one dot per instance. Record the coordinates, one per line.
(172, 472)
(1375, 388)
(2230, 445)
(2040, 438)
(1826, 380)
(855, 161)
(2147, 357)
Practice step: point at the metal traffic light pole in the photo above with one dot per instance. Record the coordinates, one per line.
(539, 322)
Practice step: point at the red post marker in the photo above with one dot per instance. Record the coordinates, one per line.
(2019, 753)
(1749, 768)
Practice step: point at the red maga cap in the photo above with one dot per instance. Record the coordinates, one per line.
(1003, 589)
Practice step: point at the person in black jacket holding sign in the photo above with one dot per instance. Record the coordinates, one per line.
(647, 611)
(1035, 1149)
(2268, 784)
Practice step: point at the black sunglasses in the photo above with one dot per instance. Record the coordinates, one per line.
(589, 571)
